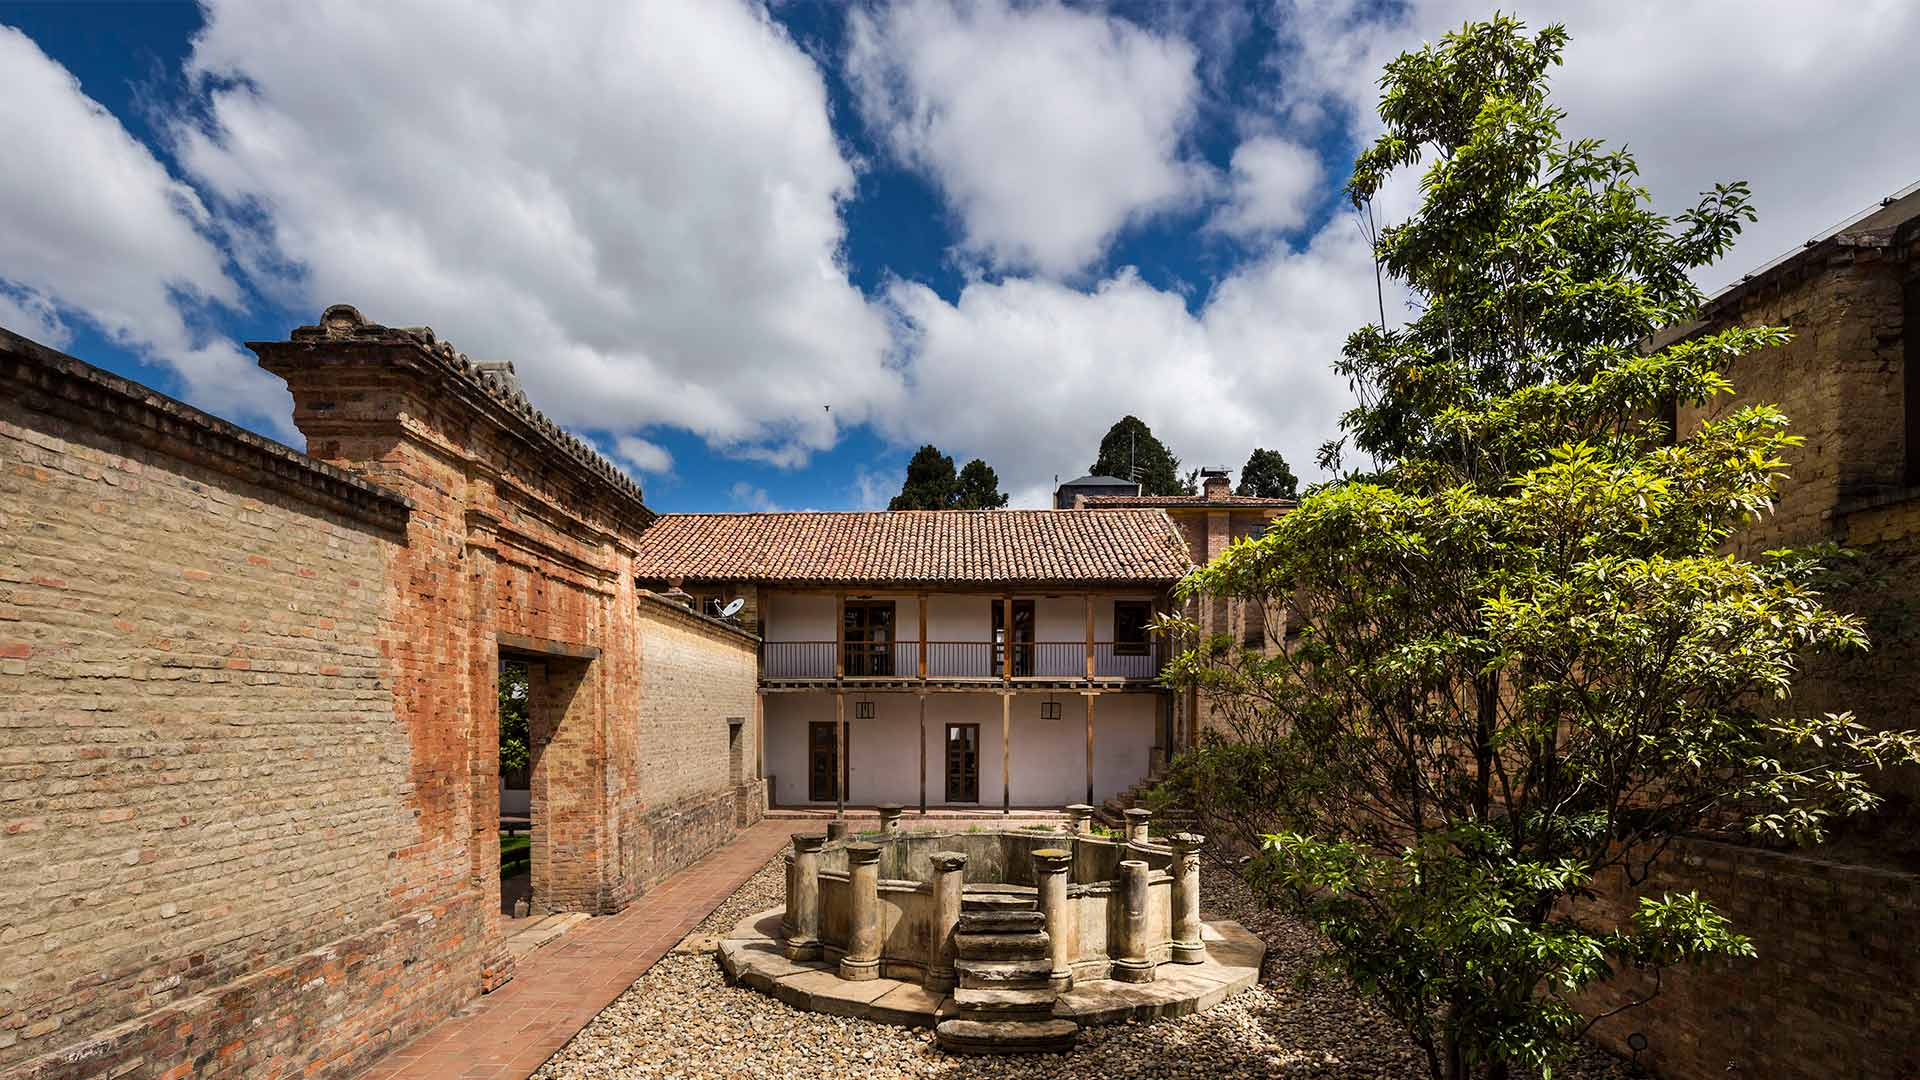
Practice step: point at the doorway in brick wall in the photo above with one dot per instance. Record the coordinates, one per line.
(548, 852)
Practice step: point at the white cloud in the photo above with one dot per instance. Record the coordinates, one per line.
(749, 497)
(641, 455)
(1046, 129)
(637, 203)
(1812, 103)
(873, 489)
(92, 226)
(1045, 368)
(1272, 185)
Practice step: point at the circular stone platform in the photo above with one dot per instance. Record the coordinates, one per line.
(753, 953)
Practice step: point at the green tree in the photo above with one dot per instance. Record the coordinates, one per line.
(930, 482)
(1520, 658)
(1129, 450)
(979, 488)
(515, 752)
(1267, 475)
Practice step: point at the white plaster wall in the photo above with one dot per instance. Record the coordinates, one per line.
(791, 616)
(1048, 760)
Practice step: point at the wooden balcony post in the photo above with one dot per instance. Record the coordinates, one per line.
(923, 734)
(1090, 698)
(923, 678)
(1006, 638)
(1006, 750)
(840, 635)
(840, 762)
(1089, 637)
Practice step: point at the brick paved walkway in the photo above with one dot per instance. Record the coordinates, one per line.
(555, 991)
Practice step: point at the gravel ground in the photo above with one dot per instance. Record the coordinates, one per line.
(681, 1019)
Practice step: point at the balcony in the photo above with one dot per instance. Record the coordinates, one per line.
(961, 661)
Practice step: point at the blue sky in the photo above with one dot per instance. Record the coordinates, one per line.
(997, 226)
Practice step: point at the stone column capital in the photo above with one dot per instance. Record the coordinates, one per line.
(860, 853)
(1052, 861)
(1186, 841)
(808, 842)
(948, 861)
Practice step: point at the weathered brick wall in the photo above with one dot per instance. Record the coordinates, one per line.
(202, 779)
(1834, 925)
(696, 675)
(1832, 992)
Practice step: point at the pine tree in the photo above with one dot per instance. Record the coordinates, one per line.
(930, 483)
(1129, 450)
(979, 488)
(1267, 475)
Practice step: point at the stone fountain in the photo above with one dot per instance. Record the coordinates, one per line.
(1006, 940)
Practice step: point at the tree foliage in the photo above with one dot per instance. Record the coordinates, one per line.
(1129, 450)
(1267, 475)
(932, 484)
(1520, 657)
(515, 750)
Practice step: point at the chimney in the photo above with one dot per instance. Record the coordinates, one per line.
(1214, 483)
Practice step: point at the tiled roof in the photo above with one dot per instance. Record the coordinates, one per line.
(1110, 502)
(917, 547)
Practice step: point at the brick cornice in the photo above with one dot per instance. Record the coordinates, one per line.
(50, 381)
(343, 335)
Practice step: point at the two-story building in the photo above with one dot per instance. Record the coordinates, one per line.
(992, 659)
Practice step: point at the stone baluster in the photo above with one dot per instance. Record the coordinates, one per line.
(1187, 947)
(890, 819)
(1051, 868)
(1137, 819)
(1132, 964)
(862, 960)
(949, 879)
(1077, 816)
(803, 899)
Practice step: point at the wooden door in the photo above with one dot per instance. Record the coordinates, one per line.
(821, 773)
(963, 763)
(868, 633)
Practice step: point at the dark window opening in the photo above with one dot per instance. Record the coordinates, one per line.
(1130, 619)
(867, 628)
(1022, 637)
(1910, 376)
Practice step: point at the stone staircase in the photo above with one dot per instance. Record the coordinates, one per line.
(1112, 813)
(1004, 997)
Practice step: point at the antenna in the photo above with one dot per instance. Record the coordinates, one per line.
(733, 607)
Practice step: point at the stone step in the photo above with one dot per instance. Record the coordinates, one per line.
(1029, 945)
(998, 901)
(1001, 922)
(1002, 974)
(964, 1036)
(1004, 1004)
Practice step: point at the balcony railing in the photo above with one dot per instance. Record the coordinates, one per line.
(961, 660)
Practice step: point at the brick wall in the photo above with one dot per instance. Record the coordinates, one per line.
(201, 774)
(1834, 925)
(1831, 993)
(248, 723)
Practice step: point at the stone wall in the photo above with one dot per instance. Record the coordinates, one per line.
(248, 706)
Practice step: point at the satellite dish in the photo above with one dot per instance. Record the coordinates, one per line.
(733, 608)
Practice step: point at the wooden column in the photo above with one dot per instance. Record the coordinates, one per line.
(923, 738)
(923, 678)
(1089, 637)
(1006, 752)
(1006, 638)
(840, 635)
(840, 761)
(1090, 698)
(760, 736)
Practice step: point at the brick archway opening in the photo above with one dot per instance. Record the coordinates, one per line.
(563, 785)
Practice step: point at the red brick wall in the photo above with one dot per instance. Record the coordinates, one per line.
(248, 707)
